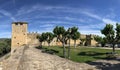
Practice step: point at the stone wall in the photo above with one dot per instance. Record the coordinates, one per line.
(32, 39)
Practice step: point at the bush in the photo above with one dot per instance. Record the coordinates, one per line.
(5, 46)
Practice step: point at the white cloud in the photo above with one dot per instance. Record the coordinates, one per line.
(108, 21)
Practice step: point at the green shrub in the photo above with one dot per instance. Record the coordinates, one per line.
(4, 46)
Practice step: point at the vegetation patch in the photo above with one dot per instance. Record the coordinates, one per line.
(5, 46)
(81, 54)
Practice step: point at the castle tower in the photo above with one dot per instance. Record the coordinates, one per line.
(19, 34)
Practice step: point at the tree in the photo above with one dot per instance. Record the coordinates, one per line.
(61, 33)
(42, 38)
(50, 37)
(112, 35)
(82, 41)
(117, 33)
(100, 40)
(75, 35)
(69, 34)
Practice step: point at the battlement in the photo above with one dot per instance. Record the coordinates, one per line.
(19, 23)
(32, 35)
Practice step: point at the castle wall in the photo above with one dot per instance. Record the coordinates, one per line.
(32, 39)
(54, 42)
(20, 36)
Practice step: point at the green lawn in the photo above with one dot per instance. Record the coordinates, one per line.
(81, 54)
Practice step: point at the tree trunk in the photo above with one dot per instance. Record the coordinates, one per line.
(41, 44)
(74, 43)
(113, 47)
(64, 50)
(44, 44)
(48, 44)
(69, 50)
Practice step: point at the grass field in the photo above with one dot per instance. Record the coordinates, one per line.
(81, 54)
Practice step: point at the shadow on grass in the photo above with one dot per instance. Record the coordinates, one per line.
(97, 55)
(46, 50)
(105, 66)
(90, 53)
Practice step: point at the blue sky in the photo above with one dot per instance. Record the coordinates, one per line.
(43, 15)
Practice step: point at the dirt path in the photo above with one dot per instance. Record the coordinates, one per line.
(34, 59)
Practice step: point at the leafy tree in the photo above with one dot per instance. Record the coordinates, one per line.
(117, 33)
(82, 41)
(69, 35)
(75, 35)
(50, 37)
(42, 38)
(61, 33)
(112, 35)
(100, 40)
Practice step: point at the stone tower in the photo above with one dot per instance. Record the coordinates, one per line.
(19, 34)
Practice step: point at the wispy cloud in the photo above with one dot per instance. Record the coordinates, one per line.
(47, 17)
(46, 25)
(58, 19)
(37, 7)
(105, 20)
(6, 13)
(91, 15)
(5, 35)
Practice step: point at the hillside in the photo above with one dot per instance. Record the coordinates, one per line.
(5, 45)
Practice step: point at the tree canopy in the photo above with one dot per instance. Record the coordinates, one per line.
(112, 36)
